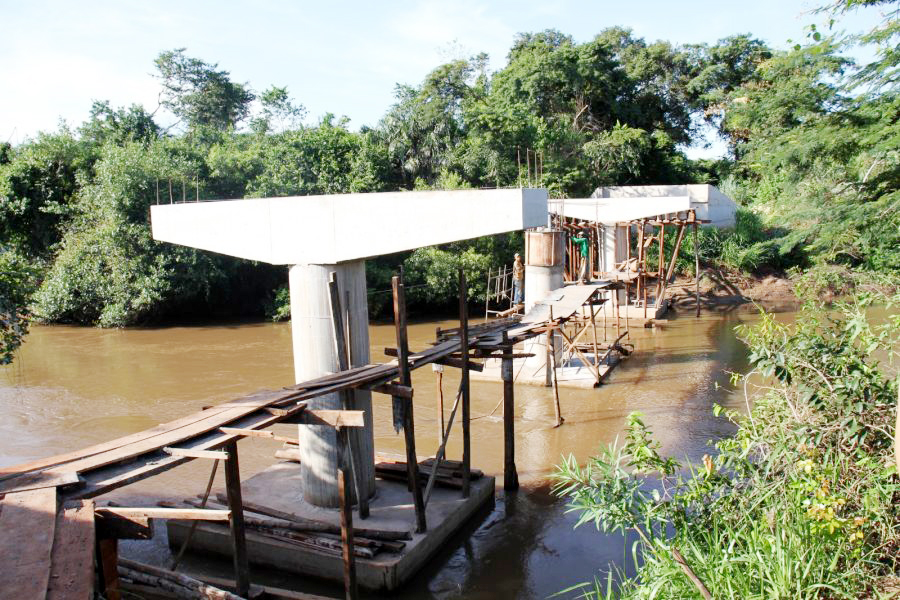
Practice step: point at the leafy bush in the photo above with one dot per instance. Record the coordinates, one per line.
(801, 503)
(17, 280)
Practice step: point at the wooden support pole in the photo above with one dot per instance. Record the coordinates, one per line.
(559, 418)
(551, 345)
(594, 330)
(464, 382)
(238, 534)
(412, 463)
(347, 402)
(661, 266)
(439, 390)
(640, 259)
(343, 475)
(671, 270)
(697, 268)
(439, 455)
(439, 373)
(108, 563)
(510, 476)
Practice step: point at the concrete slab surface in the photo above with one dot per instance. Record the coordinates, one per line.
(392, 509)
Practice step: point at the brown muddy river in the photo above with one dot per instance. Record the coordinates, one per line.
(71, 387)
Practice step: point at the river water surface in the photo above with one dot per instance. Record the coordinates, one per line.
(71, 387)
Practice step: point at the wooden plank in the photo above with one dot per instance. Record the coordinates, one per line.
(36, 481)
(457, 363)
(111, 526)
(116, 476)
(256, 433)
(210, 423)
(186, 514)
(192, 453)
(392, 389)
(697, 273)
(28, 523)
(346, 507)
(72, 557)
(165, 429)
(268, 591)
(238, 534)
(322, 526)
(334, 418)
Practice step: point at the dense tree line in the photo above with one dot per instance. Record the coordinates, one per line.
(813, 158)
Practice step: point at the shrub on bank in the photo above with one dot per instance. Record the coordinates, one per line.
(803, 502)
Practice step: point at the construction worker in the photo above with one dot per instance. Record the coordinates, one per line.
(518, 276)
(582, 244)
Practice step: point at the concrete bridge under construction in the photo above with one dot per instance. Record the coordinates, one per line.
(319, 514)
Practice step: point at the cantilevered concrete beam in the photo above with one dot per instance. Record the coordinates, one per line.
(610, 211)
(317, 235)
(333, 229)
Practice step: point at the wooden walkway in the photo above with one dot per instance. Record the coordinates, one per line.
(47, 517)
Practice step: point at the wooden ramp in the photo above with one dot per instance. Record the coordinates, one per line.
(564, 302)
(47, 550)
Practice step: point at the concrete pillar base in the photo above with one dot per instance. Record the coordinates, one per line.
(315, 354)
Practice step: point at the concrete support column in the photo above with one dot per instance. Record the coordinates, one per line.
(543, 273)
(539, 281)
(315, 355)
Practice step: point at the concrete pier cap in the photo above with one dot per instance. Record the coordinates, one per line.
(317, 235)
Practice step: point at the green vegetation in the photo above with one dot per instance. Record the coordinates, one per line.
(813, 161)
(803, 502)
(16, 283)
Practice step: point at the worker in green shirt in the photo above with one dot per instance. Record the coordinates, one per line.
(582, 244)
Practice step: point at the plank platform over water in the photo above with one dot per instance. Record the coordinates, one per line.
(47, 552)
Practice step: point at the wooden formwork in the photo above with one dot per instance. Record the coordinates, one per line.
(644, 282)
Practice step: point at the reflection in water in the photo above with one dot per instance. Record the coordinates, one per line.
(71, 387)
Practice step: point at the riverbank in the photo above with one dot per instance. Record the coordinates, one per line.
(802, 502)
(719, 287)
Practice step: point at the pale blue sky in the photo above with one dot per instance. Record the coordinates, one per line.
(340, 57)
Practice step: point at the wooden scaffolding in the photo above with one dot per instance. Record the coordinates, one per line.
(644, 280)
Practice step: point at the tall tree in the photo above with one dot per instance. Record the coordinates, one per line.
(199, 94)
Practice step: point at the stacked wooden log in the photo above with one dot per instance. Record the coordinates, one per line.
(321, 536)
(449, 472)
(139, 575)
